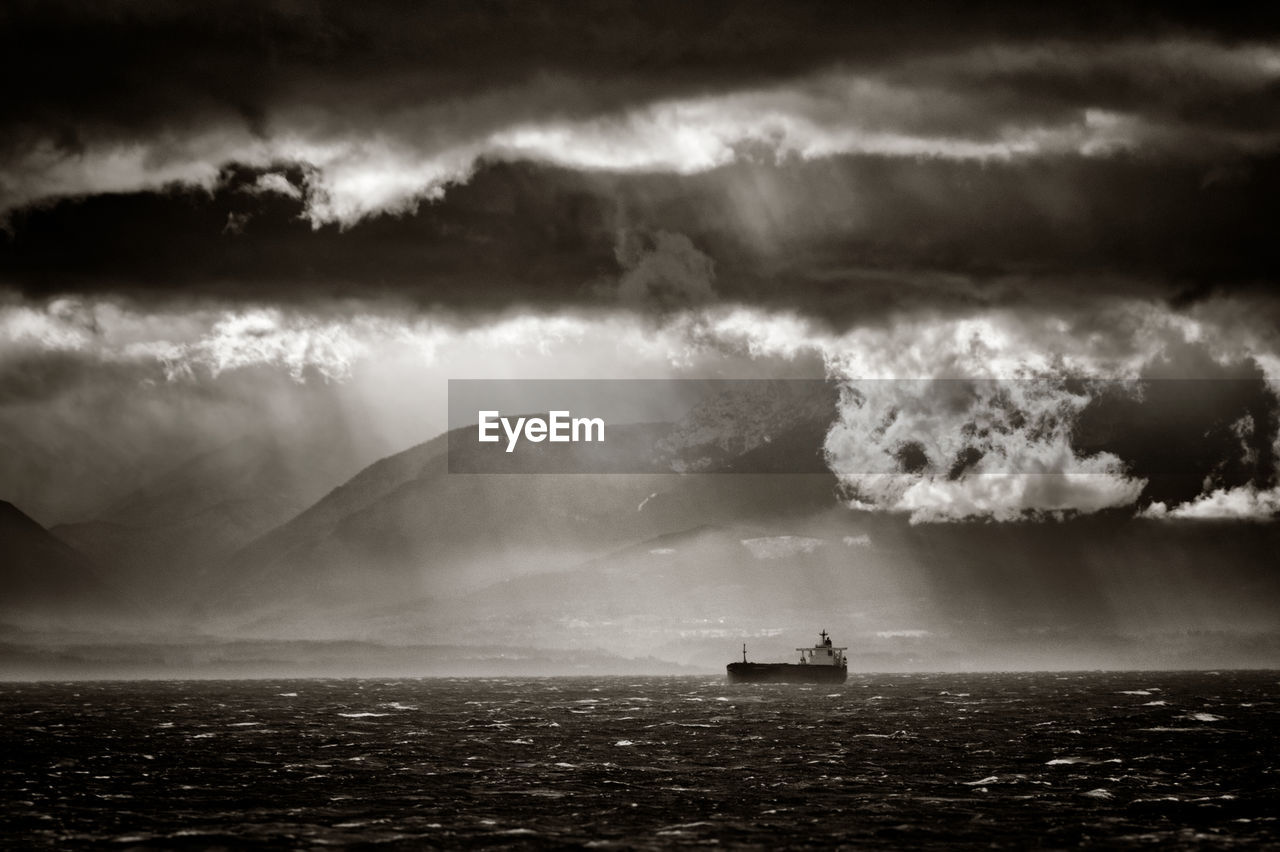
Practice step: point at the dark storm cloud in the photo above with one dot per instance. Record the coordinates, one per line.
(1006, 190)
(840, 238)
(129, 66)
(1185, 436)
(391, 105)
(1171, 79)
(663, 270)
(513, 234)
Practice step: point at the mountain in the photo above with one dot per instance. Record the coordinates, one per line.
(59, 657)
(958, 597)
(753, 426)
(407, 529)
(45, 583)
(158, 538)
(25, 461)
(689, 595)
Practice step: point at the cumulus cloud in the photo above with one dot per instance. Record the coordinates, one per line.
(944, 419)
(958, 450)
(261, 337)
(1224, 504)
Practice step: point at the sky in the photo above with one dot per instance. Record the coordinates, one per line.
(302, 218)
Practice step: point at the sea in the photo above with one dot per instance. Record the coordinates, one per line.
(921, 761)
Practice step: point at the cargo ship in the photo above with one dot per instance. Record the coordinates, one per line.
(823, 663)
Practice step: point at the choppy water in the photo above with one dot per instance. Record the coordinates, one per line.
(916, 761)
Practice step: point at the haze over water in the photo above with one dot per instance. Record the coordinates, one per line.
(904, 761)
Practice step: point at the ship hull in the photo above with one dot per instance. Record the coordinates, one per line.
(785, 673)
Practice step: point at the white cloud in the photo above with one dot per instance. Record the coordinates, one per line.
(56, 328)
(47, 171)
(1019, 435)
(274, 182)
(1014, 361)
(356, 342)
(781, 546)
(1235, 504)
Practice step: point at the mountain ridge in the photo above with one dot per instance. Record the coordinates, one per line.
(44, 581)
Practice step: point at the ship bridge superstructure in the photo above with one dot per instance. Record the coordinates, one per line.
(823, 653)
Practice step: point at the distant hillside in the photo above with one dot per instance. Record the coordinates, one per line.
(160, 537)
(27, 657)
(406, 528)
(46, 583)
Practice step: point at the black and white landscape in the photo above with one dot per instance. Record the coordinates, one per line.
(246, 246)
(1023, 258)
